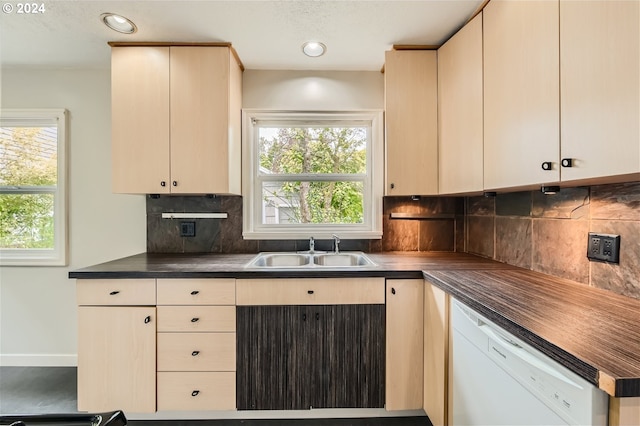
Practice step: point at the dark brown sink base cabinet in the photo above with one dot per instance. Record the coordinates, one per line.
(302, 357)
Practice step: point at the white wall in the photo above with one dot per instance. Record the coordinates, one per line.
(38, 304)
(313, 90)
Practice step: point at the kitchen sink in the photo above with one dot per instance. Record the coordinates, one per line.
(280, 260)
(342, 259)
(289, 260)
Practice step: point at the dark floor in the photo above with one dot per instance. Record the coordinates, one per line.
(51, 390)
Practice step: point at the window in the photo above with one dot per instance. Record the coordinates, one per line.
(32, 187)
(312, 174)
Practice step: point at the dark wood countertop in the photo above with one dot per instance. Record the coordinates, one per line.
(389, 265)
(593, 332)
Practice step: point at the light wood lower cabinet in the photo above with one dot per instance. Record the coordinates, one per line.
(116, 346)
(196, 344)
(436, 350)
(404, 343)
(196, 391)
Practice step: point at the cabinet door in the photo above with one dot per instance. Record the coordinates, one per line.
(298, 357)
(411, 118)
(116, 358)
(436, 341)
(460, 111)
(266, 341)
(600, 88)
(521, 93)
(199, 119)
(140, 120)
(404, 372)
(352, 368)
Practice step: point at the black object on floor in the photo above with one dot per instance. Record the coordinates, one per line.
(115, 418)
(373, 421)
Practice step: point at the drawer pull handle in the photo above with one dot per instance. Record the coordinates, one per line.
(195, 393)
(317, 316)
(393, 290)
(309, 291)
(147, 320)
(194, 292)
(113, 293)
(195, 319)
(195, 353)
(567, 162)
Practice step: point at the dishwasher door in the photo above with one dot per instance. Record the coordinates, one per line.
(500, 380)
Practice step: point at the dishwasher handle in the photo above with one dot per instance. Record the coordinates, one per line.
(498, 340)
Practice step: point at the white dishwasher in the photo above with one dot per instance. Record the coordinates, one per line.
(500, 380)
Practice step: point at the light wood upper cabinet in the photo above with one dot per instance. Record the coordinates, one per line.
(411, 122)
(600, 88)
(460, 122)
(140, 119)
(176, 120)
(521, 93)
(404, 342)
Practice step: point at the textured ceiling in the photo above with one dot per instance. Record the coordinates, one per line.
(267, 34)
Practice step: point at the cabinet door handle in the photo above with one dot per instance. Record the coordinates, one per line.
(195, 319)
(393, 290)
(113, 293)
(174, 183)
(304, 317)
(393, 185)
(147, 320)
(546, 165)
(194, 292)
(195, 353)
(567, 162)
(317, 316)
(309, 291)
(163, 183)
(195, 393)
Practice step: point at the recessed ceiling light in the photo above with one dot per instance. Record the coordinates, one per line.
(119, 23)
(314, 48)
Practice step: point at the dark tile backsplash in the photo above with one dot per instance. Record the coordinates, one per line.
(548, 233)
(225, 235)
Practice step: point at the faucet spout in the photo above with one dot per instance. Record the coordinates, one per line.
(336, 241)
(312, 245)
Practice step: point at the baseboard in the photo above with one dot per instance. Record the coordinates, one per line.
(38, 360)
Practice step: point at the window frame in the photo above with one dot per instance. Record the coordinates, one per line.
(56, 256)
(373, 182)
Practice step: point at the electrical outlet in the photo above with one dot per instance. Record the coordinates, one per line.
(187, 229)
(604, 247)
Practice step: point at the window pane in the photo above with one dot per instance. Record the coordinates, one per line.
(296, 150)
(312, 202)
(28, 156)
(27, 221)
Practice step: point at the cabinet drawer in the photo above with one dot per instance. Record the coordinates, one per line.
(310, 291)
(196, 351)
(196, 391)
(194, 291)
(197, 318)
(116, 292)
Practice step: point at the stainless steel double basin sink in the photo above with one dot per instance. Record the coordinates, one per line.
(291, 260)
